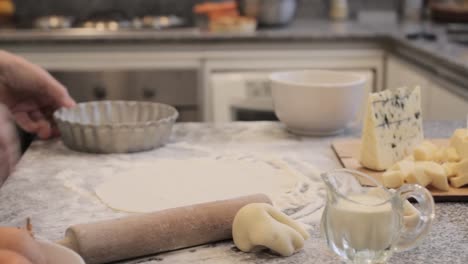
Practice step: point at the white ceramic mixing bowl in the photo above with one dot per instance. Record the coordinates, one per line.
(317, 102)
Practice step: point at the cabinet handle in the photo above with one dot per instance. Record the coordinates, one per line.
(99, 92)
(149, 93)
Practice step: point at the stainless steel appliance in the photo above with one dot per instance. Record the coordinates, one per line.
(145, 22)
(174, 87)
(457, 33)
(246, 95)
(109, 20)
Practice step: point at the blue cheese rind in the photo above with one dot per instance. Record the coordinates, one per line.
(392, 127)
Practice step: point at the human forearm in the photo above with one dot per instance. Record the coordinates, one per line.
(31, 94)
(9, 145)
(3, 58)
(7, 61)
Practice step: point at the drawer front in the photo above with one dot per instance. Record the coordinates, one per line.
(177, 88)
(95, 86)
(188, 114)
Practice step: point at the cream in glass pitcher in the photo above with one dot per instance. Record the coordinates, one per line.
(364, 224)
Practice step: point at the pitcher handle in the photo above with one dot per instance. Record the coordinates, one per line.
(412, 236)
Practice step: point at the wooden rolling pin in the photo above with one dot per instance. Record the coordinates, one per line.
(150, 233)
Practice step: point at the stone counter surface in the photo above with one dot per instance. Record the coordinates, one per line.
(53, 186)
(300, 30)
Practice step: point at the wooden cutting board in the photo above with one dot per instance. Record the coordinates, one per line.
(347, 151)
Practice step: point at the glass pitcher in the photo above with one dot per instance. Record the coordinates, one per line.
(365, 224)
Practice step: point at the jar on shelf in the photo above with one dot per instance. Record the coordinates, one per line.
(7, 10)
(339, 10)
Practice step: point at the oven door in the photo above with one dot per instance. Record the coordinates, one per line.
(246, 96)
(241, 96)
(252, 109)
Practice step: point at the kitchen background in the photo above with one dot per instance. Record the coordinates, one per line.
(33, 8)
(209, 75)
(106, 84)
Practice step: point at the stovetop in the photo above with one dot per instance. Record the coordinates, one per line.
(110, 20)
(451, 32)
(457, 33)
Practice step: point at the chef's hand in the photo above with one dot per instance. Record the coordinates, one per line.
(31, 94)
(9, 145)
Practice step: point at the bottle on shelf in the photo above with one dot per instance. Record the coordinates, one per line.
(339, 10)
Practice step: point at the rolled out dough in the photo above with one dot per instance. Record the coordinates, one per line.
(168, 183)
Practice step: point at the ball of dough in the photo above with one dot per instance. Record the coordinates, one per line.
(11, 257)
(21, 242)
(260, 225)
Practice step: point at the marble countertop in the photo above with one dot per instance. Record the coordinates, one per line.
(53, 186)
(441, 56)
(299, 30)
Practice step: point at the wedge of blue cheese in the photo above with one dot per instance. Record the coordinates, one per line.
(392, 127)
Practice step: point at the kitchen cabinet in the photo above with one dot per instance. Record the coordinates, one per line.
(198, 64)
(173, 87)
(445, 104)
(441, 99)
(86, 86)
(176, 87)
(401, 74)
(201, 62)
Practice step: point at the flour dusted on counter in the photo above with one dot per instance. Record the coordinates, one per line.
(169, 183)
